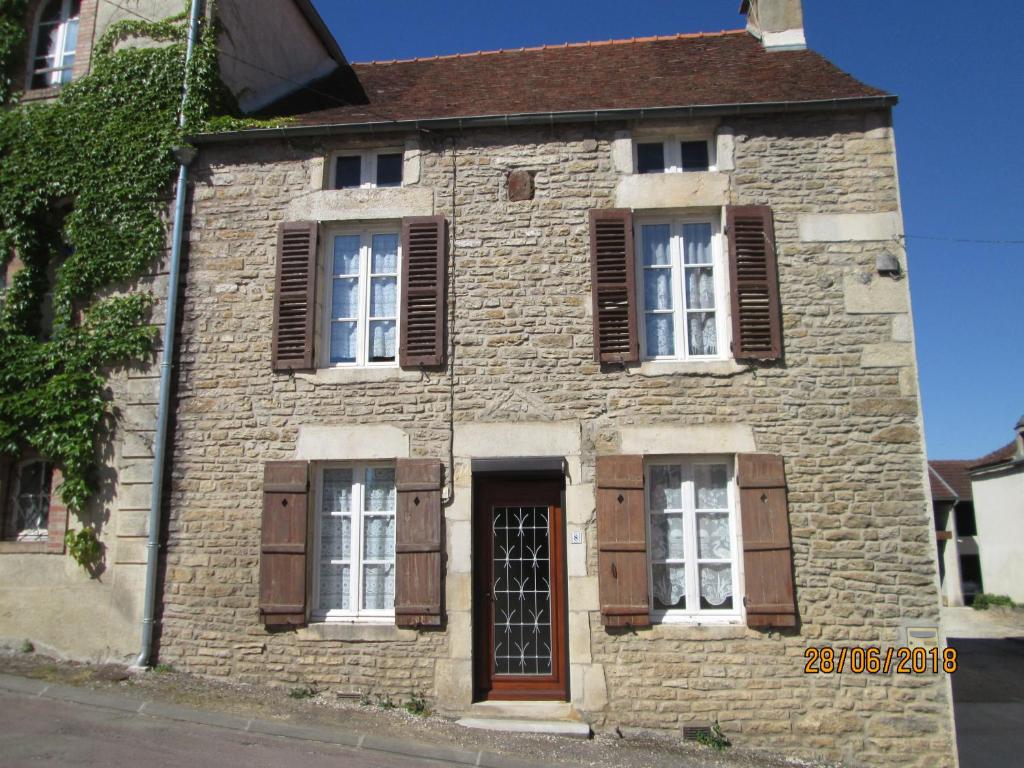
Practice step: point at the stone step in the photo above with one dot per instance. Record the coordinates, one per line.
(569, 728)
(524, 710)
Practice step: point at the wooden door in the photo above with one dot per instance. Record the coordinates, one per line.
(519, 589)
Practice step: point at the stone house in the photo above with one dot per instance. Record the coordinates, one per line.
(44, 595)
(979, 514)
(576, 382)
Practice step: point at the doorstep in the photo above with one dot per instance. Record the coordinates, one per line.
(545, 717)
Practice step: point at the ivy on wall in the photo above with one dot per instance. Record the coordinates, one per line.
(85, 182)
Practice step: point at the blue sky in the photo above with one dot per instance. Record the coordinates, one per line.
(957, 67)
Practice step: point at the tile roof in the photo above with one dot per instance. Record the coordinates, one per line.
(949, 478)
(722, 68)
(1006, 453)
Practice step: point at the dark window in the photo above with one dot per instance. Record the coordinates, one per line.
(970, 577)
(695, 155)
(650, 158)
(389, 170)
(348, 172)
(965, 523)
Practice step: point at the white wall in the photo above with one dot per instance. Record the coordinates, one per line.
(999, 511)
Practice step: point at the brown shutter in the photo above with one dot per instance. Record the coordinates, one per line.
(613, 289)
(767, 554)
(418, 543)
(424, 270)
(622, 542)
(283, 543)
(753, 273)
(295, 296)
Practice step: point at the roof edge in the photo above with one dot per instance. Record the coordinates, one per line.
(317, 23)
(550, 118)
(941, 479)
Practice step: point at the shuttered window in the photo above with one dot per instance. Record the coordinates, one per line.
(424, 270)
(613, 287)
(354, 575)
(692, 535)
(623, 576)
(419, 551)
(754, 283)
(361, 297)
(767, 551)
(283, 543)
(295, 296)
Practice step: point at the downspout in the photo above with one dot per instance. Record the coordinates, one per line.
(166, 364)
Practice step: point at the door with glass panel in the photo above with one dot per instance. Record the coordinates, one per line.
(355, 574)
(519, 597)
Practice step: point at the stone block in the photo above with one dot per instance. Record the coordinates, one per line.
(478, 440)
(349, 204)
(459, 593)
(878, 296)
(580, 504)
(460, 634)
(595, 689)
(672, 190)
(579, 637)
(460, 552)
(698, 438)
(339, 443)
(848, 227)
(583, 594)
(887, 355)
(453, 684)
(133, 523)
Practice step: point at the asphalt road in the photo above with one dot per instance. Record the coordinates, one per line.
(988, 696)
(36, 733)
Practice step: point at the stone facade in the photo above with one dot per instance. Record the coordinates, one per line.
(842, 408)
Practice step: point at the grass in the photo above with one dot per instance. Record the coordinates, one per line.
(984, 601)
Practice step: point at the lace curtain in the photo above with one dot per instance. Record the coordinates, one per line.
(670, 586)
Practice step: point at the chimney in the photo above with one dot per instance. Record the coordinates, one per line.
(1020, 439)
(778, 24)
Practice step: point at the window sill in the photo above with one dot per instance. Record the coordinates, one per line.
(41, 94)
(355, 632)
(734, 629)
(344, 376)
(694, 368)
(28, 548)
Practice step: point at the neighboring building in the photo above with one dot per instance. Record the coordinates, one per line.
(577, 374)
(44, 595)
(988, 538)
(955, 531)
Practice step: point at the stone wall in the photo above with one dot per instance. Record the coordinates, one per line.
(842, 408)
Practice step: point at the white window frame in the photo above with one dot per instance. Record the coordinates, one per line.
(679, 310)
(11, 511)
(60, 56)
(355, 612)
(362, 317)
(367, 167)
(691, 614)
(673, 153)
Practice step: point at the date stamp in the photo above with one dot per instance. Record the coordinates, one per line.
(871, 660)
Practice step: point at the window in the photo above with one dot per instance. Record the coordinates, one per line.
(368, 169)
(673, 156)
(54, 40)
(355, 534)
(966, 524)
(28, 508)
(361, 322)
(692, 534)
(682, 279)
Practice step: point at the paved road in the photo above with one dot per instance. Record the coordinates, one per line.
(988, 696)
(38, 733)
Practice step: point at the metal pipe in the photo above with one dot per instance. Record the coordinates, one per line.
(166, 364)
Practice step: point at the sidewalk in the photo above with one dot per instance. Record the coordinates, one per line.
(323, 718)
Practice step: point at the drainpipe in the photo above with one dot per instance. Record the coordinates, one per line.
(163, 402)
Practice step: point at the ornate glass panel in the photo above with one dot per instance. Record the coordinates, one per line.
(382, 340)
(700, 288)
(335, 586)
(667, 537)
(660, 335)
(702, 333)
(669, 586)
(379, 537)
(522, 591)
(697, 243)
(666, 492)
(713, 539)
(384, 254)
(710, 482)
(336, 537)
(380, 489)
(379, 586)
(716, 586)
(343, 342)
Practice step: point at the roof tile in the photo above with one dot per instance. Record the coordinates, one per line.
(670, 71)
